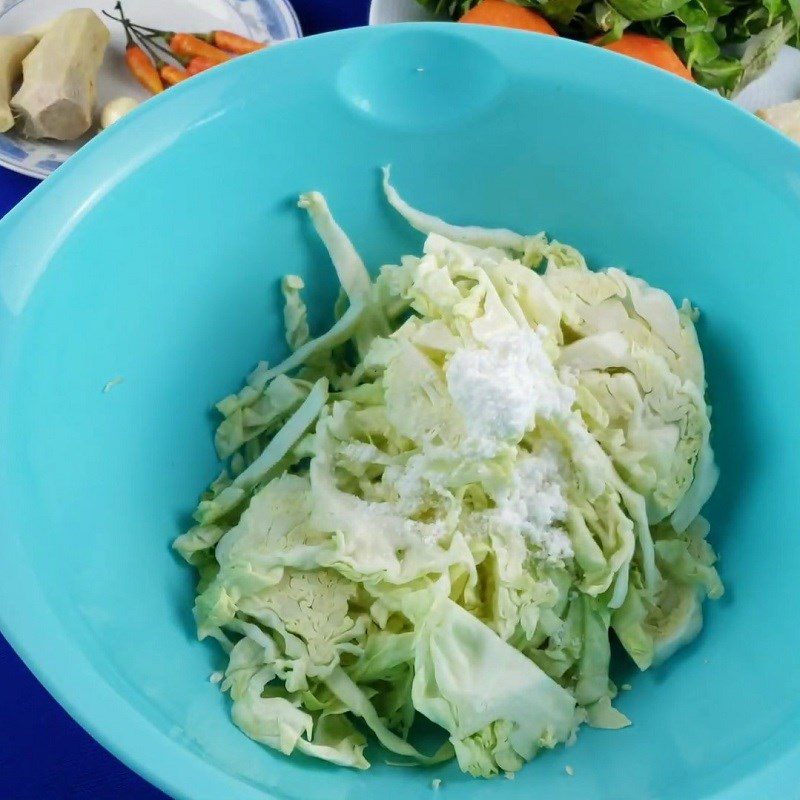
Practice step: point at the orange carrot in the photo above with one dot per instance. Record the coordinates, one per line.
(172, 75)
(142, 68)
(653, 51)
(199, 64)
(508, 15)
(184, 44)
(233, 43)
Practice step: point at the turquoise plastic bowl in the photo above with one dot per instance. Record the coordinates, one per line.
(154, 255)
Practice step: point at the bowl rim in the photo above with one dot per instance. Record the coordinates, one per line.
(26, 618)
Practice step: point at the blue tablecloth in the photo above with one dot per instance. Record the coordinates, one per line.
(44, 755)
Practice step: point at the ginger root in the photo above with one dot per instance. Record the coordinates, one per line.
(12, 50)
(56, 99)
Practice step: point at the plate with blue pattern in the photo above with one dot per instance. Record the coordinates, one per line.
(263, 20)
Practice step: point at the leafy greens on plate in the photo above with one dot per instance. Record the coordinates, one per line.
(725, 43)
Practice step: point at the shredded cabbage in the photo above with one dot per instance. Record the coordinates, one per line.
(445, 504)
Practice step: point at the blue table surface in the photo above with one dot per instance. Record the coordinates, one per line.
(44, 754)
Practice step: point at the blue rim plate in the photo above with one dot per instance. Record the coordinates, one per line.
(263, 20)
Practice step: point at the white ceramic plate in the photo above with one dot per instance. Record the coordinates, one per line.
(263, 20)
(779, 85)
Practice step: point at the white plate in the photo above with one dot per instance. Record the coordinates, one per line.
(780, 84)
(263, 20)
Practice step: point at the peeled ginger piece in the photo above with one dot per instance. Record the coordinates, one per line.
(57, 96)
(12, 50)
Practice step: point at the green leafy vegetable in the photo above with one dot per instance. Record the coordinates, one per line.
(763, 48)
(638, 10)
(444, 505)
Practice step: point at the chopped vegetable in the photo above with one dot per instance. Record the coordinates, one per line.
(446, 503)
(233, 43)
(184, 44)
(506, 14)
(12, 50)
(295, 314)
(57, 95)
(652, 51)
(115, 109)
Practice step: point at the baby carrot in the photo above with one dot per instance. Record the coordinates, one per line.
(199, 64)
(653, 51)
(508, 15)
(142, 68)
(233, 43)
(172, 75)
(184, 44)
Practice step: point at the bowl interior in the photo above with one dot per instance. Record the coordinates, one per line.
(155, 257)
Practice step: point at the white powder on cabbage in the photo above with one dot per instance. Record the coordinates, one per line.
(500, 389)
(534, 504)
